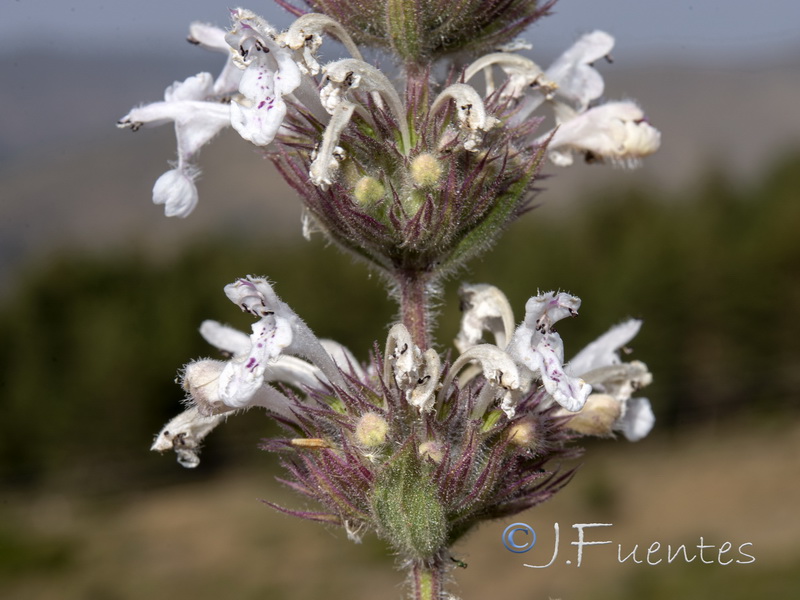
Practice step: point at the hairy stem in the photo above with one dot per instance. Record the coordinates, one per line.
(415, 305)
(427, 581)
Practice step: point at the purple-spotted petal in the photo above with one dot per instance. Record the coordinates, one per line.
(569, 392)
(242, 377)
(270, 74)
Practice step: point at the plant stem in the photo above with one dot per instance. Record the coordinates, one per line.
(427, 581)
(415, 305)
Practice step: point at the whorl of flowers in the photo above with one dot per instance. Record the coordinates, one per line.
(413, 447)
(410, 179)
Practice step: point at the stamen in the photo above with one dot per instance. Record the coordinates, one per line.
(499, 369)
(350, 73)
(326, 161)
(402, 357)
(470, 110)
(421, 396)
(522, 73)
(305, 32)
(311, 443)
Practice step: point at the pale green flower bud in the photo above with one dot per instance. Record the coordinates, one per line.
(371, 430)
(432, 450)
(368, 191)
(524, 434)
(597, 417)
(426, 170)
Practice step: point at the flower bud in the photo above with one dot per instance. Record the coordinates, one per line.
(368, 191)
(432, 450)
(403, 28)
(371, 430)
(426, 170)
(597, 417)
(201, 382)
(523, 434)
(418, 30)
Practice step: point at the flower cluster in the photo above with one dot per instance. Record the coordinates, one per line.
(407, 179)
(415, 179)
(480, 430)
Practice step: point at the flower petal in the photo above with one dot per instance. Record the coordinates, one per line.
(485, 308)
(184, 434)
(225, 338)
(270, 73)
(603, 351)
(208, 36)
(242, 377)
(569, 392)
(617, 131)
(279, 329)
(176, 190)
(577, 79)
(638, 419)
(544, 310)
(540, 349)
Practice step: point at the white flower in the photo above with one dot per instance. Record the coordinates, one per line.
(594, 388)
(184, 434)
(198, 117)
(278, 332)
(503, 378)
(540, 349)
(616, 131)
(270, 73)
(615, 382)
(342, 77)
(248, 94)
(470, 111)
(274, 352)
(416, 373)
(485, 308)
(305, 37)
(572, 76)
(199, 110)
(533, 351)
(573, 72)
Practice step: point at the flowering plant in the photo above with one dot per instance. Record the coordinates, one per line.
(415, 178)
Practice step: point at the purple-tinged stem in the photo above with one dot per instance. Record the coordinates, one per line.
(427, 581)
(415, 305)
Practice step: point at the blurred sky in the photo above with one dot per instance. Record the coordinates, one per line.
(709, 30)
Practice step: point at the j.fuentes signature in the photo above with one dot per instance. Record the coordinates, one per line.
(521, 537)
